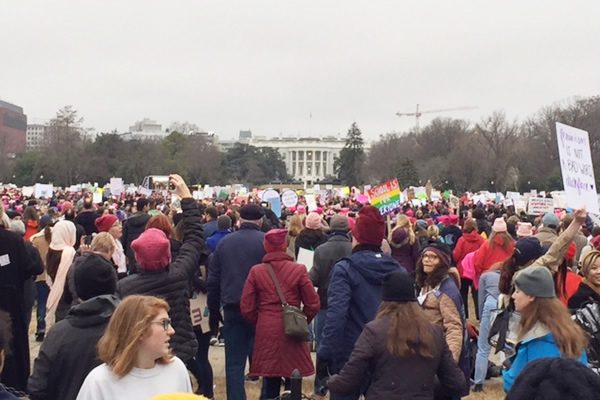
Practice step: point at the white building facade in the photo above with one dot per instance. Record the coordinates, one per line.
(35, 136)
(308, 159)
(145, 129)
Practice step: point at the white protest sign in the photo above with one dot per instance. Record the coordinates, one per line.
(116, 186)
(269, 194)
(97, 196)
(27, 191)
(289, 198)
(540, 205)
(306, 257)
(43, 190)
(311, 202)
(576, 167)
(198, 195)
(144, 191)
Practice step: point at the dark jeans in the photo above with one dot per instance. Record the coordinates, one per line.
(239, 341)
(271, 387)
(465, 283)
(42, 290)
(200, 366)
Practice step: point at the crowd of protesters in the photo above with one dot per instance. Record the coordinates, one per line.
(113, 288)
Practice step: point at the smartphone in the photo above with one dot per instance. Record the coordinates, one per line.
(161, 182)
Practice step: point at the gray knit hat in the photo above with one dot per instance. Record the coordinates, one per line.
(339, 223)
(536, 281)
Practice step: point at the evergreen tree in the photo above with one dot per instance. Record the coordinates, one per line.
(407, 173)
(349, 165)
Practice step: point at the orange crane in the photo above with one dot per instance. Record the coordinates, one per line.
(418, 113)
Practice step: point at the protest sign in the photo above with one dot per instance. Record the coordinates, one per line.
(289, 198)
(43, 190)
(269, 194)
(311, 202)
(386, 196)
(306, 257)
(116, 186)
(540, 205)
(97, 196)
(576, 167)
(146, 192)
(275, 204)
(27, 191)
(198, 195)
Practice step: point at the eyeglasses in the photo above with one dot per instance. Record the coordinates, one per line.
(430, 256)
(165, 323)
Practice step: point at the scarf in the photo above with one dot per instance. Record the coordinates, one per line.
(63, 239)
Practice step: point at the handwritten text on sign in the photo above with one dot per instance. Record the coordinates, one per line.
(576, 167)
(386, 197)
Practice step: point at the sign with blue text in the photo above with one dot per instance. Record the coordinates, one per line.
(576, 167)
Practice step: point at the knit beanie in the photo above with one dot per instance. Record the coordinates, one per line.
(526, 250)
(105, 222)
(152, 250)
(525, 229)
(339, 223)
(313, 221)
(399, 287)
(499, 225)
(369, 227)
(275, 240)
(251, 212)
(555, 378)
(66, 206)
(536, 281)
(95, 276)
(550, 220)
(442, 254)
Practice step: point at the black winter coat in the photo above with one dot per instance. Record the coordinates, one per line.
(310, 239)
(87, 219)
(132, 229)
(326, 255)
(15, 268)
(68, 352)
(583, 295)
(394, 377)
(173, 282)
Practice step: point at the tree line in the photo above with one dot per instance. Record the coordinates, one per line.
(496, 153)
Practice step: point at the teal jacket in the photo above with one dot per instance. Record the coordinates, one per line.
(530, 349)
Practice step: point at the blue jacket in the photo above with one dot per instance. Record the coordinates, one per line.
(354, 296)
(530, 350)
(209, 228)
(215, 238)
(235, 254)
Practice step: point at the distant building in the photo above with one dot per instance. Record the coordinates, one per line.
(145, 129)
(13, 129)
(35, 136)
(307, 159)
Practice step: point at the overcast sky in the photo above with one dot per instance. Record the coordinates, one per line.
(268, 66)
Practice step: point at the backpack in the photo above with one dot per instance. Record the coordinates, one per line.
(588, 318)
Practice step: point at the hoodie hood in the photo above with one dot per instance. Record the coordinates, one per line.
(93, 312)
(373, 266)
(138, 220)
(472, 237)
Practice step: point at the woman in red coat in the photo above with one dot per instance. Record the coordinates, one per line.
(469, 242)
(496, 249)
(275, 355)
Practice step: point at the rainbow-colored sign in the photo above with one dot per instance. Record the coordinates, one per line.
(386, 196)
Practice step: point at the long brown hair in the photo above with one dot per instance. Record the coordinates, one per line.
(408, 339)
(506, 240)
(119, 345)
(433, 279)
(551, 313)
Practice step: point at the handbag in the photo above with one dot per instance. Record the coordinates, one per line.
(295, 323)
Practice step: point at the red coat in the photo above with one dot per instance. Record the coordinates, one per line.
(487, 256)
(275, 354)
(467, 243)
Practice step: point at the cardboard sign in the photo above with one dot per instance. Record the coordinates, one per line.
(576, 167)
(306, 257)
(540, 205)
(386, 196)
(42, 190)
(116, 186)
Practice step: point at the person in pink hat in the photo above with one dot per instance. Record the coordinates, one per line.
(312, 235)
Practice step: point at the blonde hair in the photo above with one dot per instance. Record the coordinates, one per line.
(588, 262)
(103, 243)
(295, 225)
(433, 232)
(552, 314)
(403, 222)
(119, 345)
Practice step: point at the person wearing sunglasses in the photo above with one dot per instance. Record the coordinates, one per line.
(137, 357)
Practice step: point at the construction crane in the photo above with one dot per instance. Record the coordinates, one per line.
(418, 113)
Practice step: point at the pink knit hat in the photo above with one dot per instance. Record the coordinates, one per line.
(313, 221)
(152, 250)
(525, 229)
(499, 225)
